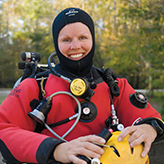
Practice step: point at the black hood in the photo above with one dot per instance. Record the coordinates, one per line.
(71, 15)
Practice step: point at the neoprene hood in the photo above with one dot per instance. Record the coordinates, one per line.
(71, 15)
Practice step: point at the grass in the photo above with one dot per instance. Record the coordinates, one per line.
(157, 103)
(3, 95)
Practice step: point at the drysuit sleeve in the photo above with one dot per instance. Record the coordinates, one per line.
(18, 141)
(133, 108)
(130, 108)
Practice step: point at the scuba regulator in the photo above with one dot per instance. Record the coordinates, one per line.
(81, 88)
(78, 87)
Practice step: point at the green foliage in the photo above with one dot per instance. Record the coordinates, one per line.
(136, 49)
(129, 36)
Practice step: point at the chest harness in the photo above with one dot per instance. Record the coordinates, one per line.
(79, 87)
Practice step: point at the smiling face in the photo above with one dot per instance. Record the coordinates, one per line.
(75, 41)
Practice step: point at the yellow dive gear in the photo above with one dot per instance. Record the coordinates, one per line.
(120, 152)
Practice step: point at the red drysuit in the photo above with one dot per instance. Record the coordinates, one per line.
(19, 142)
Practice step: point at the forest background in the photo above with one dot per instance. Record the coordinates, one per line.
(129, 37)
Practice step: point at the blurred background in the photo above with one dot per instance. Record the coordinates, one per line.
(129, 39)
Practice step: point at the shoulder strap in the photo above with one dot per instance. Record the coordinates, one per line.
(34, 103)
(110, 78)
(42, 75)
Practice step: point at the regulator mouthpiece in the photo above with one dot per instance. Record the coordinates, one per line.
(39, 114)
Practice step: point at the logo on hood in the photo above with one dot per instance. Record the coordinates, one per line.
(71, 12)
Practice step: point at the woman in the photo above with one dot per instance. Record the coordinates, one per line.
(74, 40)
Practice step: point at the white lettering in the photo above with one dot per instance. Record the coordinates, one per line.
(71, 12)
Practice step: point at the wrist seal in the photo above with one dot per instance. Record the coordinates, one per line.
(157, 127)
(156, 123)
